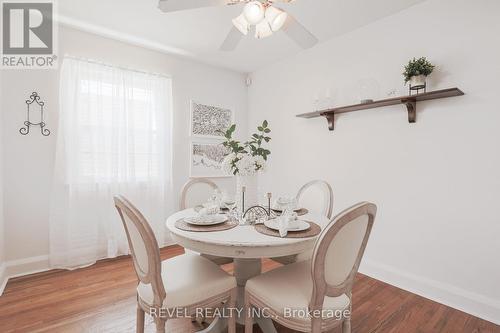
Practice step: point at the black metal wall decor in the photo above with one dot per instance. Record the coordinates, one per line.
(34, 98)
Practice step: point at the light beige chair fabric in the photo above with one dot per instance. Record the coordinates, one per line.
(195, 278)
(322, 284)
(290, 286)
(317, 197)
(185, 282)
(195, 192)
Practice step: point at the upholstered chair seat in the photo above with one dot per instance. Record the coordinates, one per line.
(290, 287)
(188, 279)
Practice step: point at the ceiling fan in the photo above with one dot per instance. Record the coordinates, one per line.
(259, 16)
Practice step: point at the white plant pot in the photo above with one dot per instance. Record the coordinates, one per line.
(417, 81)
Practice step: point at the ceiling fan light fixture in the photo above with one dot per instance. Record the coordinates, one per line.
(241, 24)
(254, 12)
(276, 18)
(263, 30)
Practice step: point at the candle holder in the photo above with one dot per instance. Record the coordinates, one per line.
(34, 98)
(257, 212)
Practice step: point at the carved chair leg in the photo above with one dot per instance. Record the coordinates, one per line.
(316, 325)
(248, 314)
(140, 320)
(232, 304)
(346, 325)
(160, 324)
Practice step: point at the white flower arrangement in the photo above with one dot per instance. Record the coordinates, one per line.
(249, 158)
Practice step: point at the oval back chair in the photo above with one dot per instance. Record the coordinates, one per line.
(322, 285)
(195, 192)
(143, 247)
(337, 255)
(193, 282)
(316, 196)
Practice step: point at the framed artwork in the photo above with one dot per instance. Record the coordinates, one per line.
(206, 159)
(207, 120)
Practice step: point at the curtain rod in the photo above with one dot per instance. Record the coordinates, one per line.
(97, 62)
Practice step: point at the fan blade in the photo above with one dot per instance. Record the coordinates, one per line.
(299, 33)
(177, 5)
(233, 38)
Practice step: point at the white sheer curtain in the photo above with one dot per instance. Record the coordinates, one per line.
(114, 138)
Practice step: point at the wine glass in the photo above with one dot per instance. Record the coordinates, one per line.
(229, 202)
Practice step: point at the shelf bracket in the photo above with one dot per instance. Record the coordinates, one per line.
(411, 106)
(330, 117)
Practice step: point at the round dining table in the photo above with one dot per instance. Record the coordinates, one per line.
(246, 246)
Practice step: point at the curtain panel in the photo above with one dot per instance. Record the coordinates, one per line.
(114, 137)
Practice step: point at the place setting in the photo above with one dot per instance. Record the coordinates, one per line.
(214, 215)
(281, 204)
(285, 222)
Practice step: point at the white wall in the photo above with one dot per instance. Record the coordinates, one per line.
(435, 182)
(29, 160)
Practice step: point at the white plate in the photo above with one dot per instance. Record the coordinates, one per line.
(207, 219)
(274, 224)
(279, 210)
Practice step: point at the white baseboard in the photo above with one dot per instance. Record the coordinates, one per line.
(475, 304)
(21, 267)
(26, 266)
(3, 278)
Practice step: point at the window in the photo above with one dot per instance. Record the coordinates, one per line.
(119, 124)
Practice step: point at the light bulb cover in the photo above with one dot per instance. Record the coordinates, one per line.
(254, 12)
(263, 29)
(276, 18)
(241, 24)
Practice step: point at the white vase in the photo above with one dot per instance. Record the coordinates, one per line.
(251, 191)
(417, 81)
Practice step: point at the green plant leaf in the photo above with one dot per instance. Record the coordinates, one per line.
(420, 66)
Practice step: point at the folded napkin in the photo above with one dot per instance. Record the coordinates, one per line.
(208, 210)
(287, 223)
(283, 203)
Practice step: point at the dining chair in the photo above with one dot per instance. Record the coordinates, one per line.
(321, 286)
(185, 282)
(317, 197)
(195, 192)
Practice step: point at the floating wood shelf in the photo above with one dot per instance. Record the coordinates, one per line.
(409, 101)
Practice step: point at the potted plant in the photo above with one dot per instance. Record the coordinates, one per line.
(246, 160)
(417, 71)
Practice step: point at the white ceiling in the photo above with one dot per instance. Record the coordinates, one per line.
(198, 33)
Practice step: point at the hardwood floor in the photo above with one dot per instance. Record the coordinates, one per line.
(101, 299)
